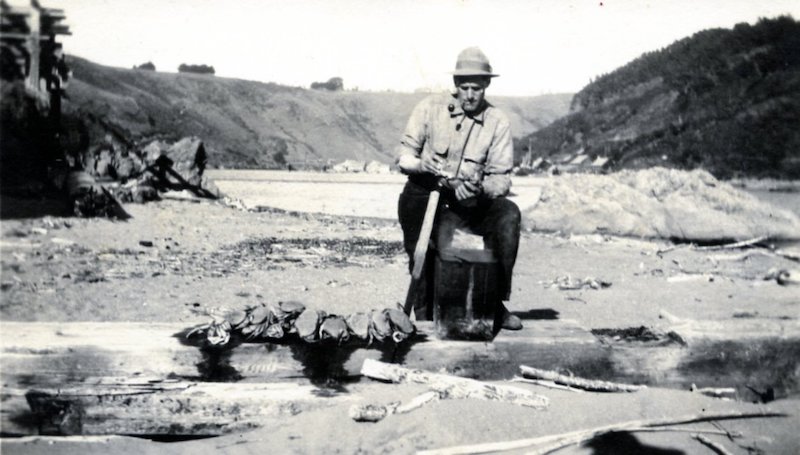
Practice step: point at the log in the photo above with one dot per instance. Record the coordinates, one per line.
(100, 406)
(85, 349)
(728, 246)
(558, 441)
(548, 384)
(580, 383)
(448, 386)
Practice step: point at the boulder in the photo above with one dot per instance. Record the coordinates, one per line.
(187, 157)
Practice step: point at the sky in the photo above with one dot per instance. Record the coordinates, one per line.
(537, 46)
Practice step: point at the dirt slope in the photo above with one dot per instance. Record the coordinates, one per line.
(248, 124)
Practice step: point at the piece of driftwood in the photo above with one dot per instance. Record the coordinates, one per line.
(548, 384)
(716, 447)
(559, 441)
(448, 386)
(791, 255)
(374, 413)
(741, 256)
(580, 383)
(108, 406)
(716, 392)
(726, 433)
(417, 402)
(735, 245)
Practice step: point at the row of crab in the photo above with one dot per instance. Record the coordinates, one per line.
(274, 322)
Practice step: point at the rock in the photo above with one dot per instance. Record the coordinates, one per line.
(186, 157)
(128, 166)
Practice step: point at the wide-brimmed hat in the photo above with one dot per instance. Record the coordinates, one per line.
(473, 62)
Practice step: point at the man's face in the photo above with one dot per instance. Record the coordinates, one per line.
(471, 91)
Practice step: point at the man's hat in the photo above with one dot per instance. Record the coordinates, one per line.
(473, 62)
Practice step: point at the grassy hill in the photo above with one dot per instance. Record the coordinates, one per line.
(247, 124)
(725, 100)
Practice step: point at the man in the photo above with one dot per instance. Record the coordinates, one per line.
(461, 145)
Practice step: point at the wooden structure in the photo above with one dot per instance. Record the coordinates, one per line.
(147, 378)
(465, 299)
(30, 50)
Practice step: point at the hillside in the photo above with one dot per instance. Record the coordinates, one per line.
(725, 100)
(248, 124)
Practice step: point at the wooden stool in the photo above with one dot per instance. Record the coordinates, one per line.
(466, 304)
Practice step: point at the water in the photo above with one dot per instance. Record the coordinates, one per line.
(787, 200)
(363, 195)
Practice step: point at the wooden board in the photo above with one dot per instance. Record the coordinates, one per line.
(107, 406)
(84, 349)
(152, 381)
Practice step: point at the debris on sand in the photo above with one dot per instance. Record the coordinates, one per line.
(639, 334)
(453, 387)
(375, 413)
(567, 283)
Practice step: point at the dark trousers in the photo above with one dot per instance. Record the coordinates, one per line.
(497, 220)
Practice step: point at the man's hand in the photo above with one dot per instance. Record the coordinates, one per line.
(466, 190)
(410, 164)
(431, 164)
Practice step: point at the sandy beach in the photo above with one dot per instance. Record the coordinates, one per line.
(180, 254)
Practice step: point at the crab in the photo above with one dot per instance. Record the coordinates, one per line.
(218, 331)
(379, 325)
(287, 311)
(307, 324)
(283, 316)
(334, 327)
(402, 327)
(358, 323)
(392, 323)
(256, 322)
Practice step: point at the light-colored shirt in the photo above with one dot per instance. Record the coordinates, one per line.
(438, 125)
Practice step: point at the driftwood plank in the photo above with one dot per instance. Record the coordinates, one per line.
(78, 362)
(126, 349)
(580, 383)
(133, 407)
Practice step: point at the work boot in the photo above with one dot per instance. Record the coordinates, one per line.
(511, 321)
